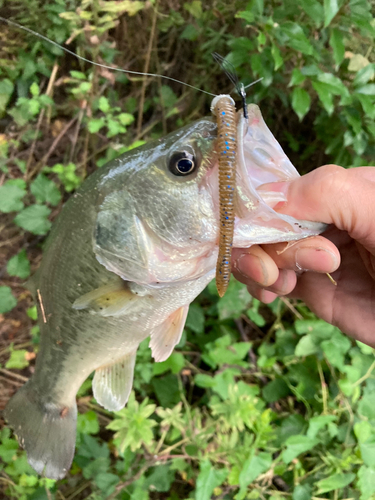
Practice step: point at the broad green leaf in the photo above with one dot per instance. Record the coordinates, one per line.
(19, 265)
(208, 479)
(325, 96)
(336, 348)
(337, 44)
(45, 190)
(313, 9)
(166, 390)
(297, 77)
(11, 198)
(319, 422)
(331, 8)
(104, 104)
(195, 318)
(88, 422)
(277, 57)
(6, 90)
(334, 84)
(297, 38)
(247, 15)
(17, 359)
(366, 482)
(296, 445)
(368, 89)
(7, 299)
(125, 119)
(95, 124)
(364, 75)
(275, 390)
(106, 482)
(368, 451)
(160, 479)
(194, 8)
(302, 492)
(175, 363)
(300, 102)
(234, 301)
(253, 467)
(335, 482)
(34, 219)
(306, 346)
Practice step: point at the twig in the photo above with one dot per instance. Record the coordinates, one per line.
(291, 307)
(12, 374)
(365, 376)
(324, 388)
(41, 306)
(40, 119)
(145, 70)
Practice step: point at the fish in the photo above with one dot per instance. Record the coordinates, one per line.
(131, 249)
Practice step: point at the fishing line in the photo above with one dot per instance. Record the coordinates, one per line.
(35, 33)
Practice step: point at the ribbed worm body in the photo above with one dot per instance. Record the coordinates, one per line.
(223, 107)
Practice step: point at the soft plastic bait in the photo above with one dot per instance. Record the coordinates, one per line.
(223, 107)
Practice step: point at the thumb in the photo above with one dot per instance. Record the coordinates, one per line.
(334, 195)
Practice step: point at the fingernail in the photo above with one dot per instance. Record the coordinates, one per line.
(251, 266)
(316, 259)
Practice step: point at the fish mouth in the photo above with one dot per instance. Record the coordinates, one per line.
(261, 160)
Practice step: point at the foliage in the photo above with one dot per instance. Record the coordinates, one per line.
(256, 402)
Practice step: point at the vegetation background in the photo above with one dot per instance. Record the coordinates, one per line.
(258, 401)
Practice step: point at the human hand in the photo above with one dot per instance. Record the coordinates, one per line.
(345, 199)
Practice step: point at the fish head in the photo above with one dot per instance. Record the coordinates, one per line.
(157, 224)
(156, 220)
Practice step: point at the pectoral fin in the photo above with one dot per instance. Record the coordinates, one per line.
(112, 383)
(114, 299)
(165, 336)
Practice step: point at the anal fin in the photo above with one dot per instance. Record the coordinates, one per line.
(112, 383)
(165, 336)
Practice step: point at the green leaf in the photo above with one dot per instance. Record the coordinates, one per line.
(246, 14)
(306, 346)
(331, 8)
(234, 301)
(302, 492)
(34, 219)
(325, 96)
(300, 102)
(125, 119)
(364, 75)
(319, 422)
(336, 348)
(104, 104)
(95, 124)
(7, 300)
(367, 89)
(17, 359)
(160, 479)
(275, 390)
(194, 8)
(277, 57)
(106, 482)
(10, 198)
(313, 9)
(166, 390)
(208, 479)
(253, 467)
(45, 190)
(337, 44)
(297, 77)
(195, 318)
(175, 363)
(366, 482)
(296, 445)
(88, 422)
(297, 38)
(6, 90)
(19, 265)
(335, 482)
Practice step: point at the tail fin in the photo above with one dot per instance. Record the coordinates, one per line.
(46, 431)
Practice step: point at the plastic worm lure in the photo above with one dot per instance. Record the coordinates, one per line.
(223, 107)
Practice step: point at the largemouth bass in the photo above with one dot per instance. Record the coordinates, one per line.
(128, 254)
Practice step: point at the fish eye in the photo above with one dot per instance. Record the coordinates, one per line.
(182, 163)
